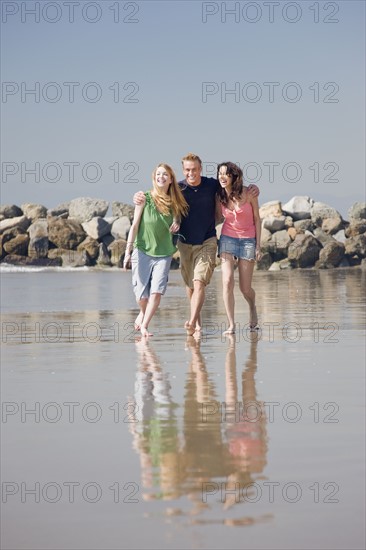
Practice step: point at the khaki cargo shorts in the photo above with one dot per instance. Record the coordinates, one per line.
(197, 261)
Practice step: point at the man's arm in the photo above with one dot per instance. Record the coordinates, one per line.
(253, 190)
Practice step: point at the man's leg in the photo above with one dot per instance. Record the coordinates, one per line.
(203, 261)
(197, 298)
(189, 292)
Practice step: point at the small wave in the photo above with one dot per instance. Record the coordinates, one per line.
(33, 269)
(8, 268)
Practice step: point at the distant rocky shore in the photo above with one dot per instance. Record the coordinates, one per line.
(302, 233)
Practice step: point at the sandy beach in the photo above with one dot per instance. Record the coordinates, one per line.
(254, 441)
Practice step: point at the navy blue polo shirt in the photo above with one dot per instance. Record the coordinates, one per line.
(199, 224)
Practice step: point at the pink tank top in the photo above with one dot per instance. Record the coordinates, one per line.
(238, 223)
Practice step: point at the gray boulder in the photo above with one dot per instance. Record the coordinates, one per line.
(285, 264)
(356, 246)
(320, 211)
(266, 235)
(117, 251)
(264, 263)
(120, 209)
(103, 256)
(84, 209)
(356, 227)
(22, 222)
(34, 211)
(340, 236)
(275, 266)
(357, 211)
(271, 208)
(60, 210)
(274, 223)
(332, 225)
(121, 227)
(91, 246)
(10, 211)
(96, 228)
(69, 258)
(289, 222)
(107, 239)
(330, 255)
(282, 241)
(303, 251)
(344, 262)
(66, 234)
(38, 244)
(15, 259)
(322, 236)
(304, 225)
(18, 245)
(299, 207)
(75, 258)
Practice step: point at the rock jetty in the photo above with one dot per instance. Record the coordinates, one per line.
(302, 233)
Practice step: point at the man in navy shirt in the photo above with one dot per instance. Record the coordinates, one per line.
(198, 243)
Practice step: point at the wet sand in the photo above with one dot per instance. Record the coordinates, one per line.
(254, 441)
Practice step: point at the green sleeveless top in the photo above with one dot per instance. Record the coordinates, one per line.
(153, 236)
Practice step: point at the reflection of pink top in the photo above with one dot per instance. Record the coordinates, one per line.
(238, 223)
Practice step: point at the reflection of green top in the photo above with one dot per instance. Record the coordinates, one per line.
(153, 236)
(163, 438)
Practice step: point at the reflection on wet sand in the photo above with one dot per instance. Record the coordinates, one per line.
(219, 448)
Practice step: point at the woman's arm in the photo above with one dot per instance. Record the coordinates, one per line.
(132, 234)
(139, 198)
(257, 222)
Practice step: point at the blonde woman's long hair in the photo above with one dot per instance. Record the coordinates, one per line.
(173, 200)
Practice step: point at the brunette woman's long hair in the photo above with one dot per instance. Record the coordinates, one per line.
(237, 186)
(173, 200)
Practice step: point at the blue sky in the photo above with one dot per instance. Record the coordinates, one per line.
(160, 56)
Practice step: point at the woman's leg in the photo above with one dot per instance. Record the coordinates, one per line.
(227, 270)
(139, 319)
(246, 268)
(152, 306)
(158, 284)
(140, 283)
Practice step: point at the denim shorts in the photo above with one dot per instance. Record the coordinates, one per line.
(243, 249)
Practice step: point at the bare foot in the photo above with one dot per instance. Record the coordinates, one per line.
(230, 330)
(253, 320)
(190, 330)
(139, 320)
(145, 332)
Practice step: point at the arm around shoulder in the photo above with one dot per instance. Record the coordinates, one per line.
(253, 190)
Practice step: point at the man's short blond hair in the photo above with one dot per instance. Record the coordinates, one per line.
(192, 157)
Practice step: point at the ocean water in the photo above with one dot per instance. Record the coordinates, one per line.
(252, 441)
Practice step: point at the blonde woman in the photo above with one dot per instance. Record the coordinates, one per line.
(151, 232)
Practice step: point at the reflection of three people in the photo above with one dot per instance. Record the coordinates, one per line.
(217, 441)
